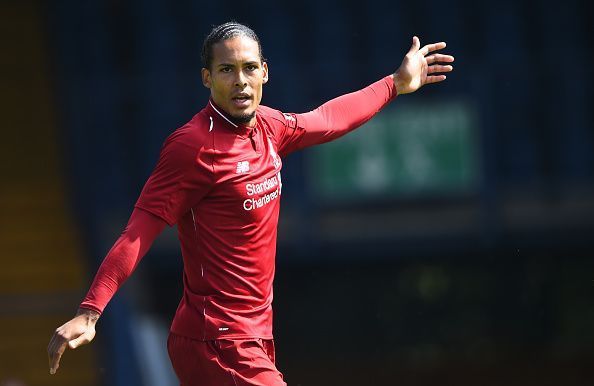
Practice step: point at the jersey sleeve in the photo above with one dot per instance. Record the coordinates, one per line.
(122, 259)
(183, 176)
(334, 118)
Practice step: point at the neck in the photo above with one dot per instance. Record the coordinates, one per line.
(247, 120)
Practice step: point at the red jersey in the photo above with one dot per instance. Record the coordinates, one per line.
(221, 184)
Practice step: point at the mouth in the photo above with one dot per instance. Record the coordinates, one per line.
(242, 100)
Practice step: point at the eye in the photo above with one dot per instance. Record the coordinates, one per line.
(225, 69)
(252, 67)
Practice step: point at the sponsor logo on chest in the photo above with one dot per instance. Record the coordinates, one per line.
(262, 193)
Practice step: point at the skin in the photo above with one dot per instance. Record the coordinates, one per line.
(417, 69)
(76, 332)
(237, 70)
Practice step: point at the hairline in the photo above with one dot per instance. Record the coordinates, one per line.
(240, 30)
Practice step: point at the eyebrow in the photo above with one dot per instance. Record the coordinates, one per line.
(233, 65)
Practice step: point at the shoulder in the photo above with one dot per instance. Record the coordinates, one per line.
(277, 117)
(269, 112)
(194, 133)
(190, 143)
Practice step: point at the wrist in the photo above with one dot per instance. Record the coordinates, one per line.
(398, 84)
(91, 315)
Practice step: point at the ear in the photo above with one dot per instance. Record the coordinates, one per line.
(206, 80)
(265, 75)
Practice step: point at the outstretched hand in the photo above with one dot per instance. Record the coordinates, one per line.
(417, 69)
(76, 332)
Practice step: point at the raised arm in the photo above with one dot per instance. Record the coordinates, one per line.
(339, 116)
(142, 229)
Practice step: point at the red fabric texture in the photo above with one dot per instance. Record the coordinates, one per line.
(221, 184)
(136, 239)
(224, 362)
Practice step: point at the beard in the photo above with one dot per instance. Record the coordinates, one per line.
(243, 119)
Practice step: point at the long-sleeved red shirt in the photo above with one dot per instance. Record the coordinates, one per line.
(221, 184)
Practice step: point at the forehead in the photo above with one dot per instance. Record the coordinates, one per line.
(237, 49)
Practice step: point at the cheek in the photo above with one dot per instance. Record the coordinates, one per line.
(259, 93)
(222, 92)
(220, 83)
(257, 83)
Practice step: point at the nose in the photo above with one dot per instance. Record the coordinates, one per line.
(240, 80)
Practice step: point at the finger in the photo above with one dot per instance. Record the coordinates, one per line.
(416, 43)
(83, 339)
(55, 349)
(52, 348)
(432, 47)
(57, 338)
(438, 68)
(441, 58)
(50, 344)
(55, 358)
(435, 79)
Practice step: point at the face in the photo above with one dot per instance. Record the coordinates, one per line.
(235, 77)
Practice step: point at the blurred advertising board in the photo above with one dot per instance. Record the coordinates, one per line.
(405, 150)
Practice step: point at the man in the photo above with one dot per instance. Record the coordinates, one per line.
(218, 178)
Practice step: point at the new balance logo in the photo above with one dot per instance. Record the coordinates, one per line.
(242, 167)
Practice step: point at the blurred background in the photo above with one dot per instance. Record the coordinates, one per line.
(450, 241)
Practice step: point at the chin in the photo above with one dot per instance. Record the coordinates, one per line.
(243, 117)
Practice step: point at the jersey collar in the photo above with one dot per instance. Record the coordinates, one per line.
(218, 113)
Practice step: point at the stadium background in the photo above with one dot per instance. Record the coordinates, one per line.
(484, 278)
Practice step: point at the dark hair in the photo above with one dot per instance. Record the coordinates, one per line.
(223, 32)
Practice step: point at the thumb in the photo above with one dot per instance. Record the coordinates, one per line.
(416, 44)
(83, 339)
